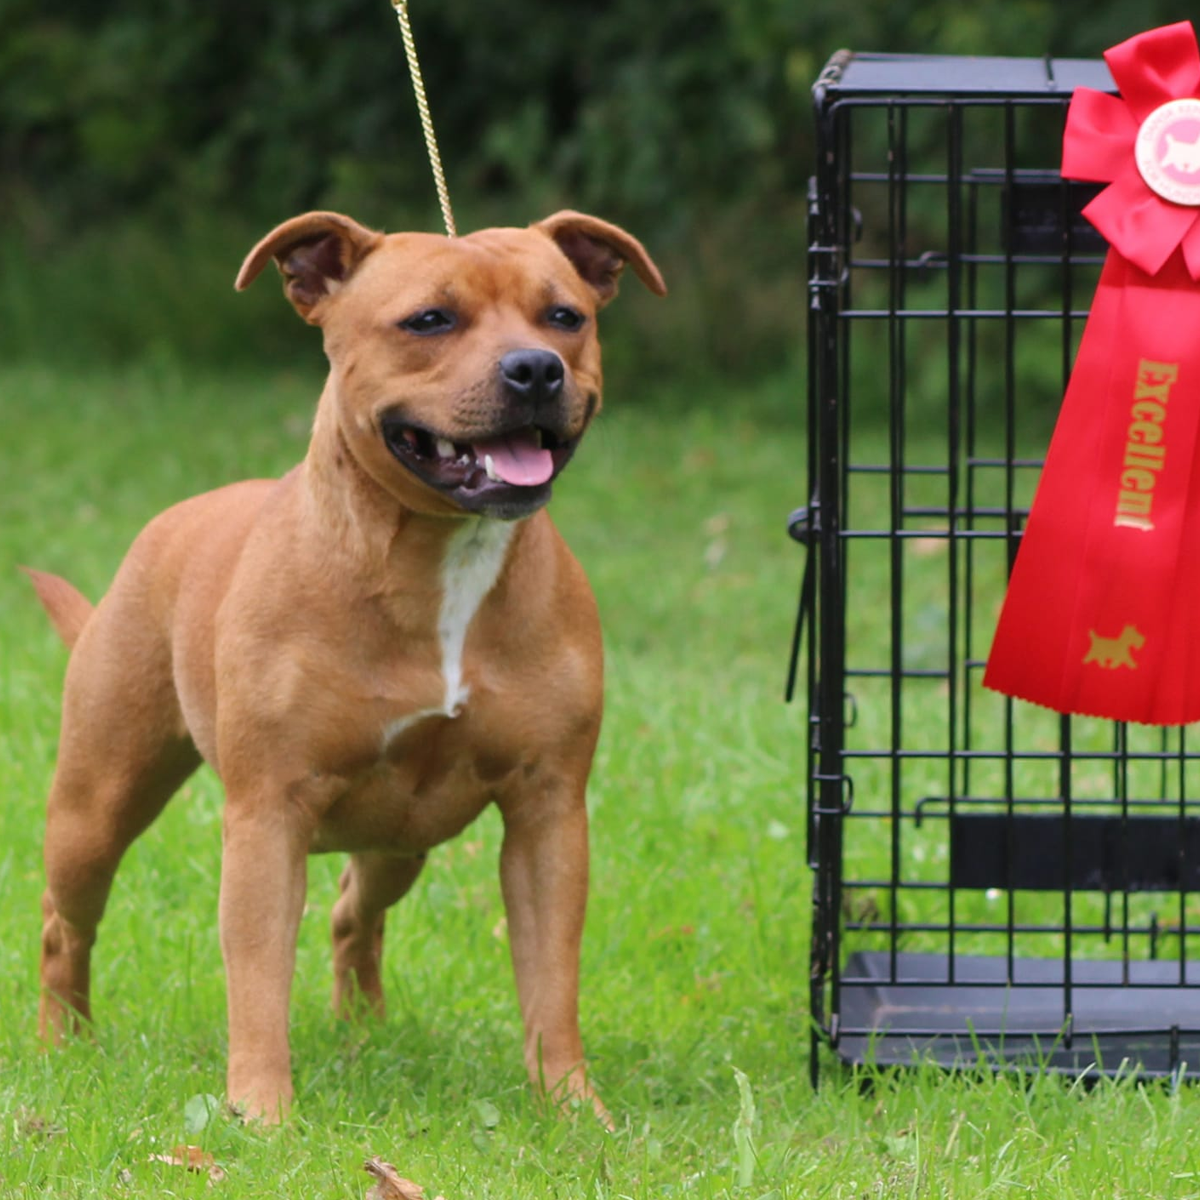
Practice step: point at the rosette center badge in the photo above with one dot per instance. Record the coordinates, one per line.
(1168, 151)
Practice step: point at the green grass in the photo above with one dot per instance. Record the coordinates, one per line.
(695, 960)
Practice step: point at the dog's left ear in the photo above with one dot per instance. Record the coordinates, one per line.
(599, 252)
(316, 253)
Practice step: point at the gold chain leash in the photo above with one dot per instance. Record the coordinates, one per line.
(435, 160)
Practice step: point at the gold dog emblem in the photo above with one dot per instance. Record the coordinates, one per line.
(1111, 653)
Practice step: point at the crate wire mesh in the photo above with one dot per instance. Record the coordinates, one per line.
(992, 881)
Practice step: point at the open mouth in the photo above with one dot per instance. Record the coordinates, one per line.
(508, 473)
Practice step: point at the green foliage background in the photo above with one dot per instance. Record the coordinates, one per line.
(144, 144)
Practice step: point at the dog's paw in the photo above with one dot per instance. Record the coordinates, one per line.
(574, 1094)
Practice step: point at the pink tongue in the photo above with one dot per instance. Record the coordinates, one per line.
(517, 459)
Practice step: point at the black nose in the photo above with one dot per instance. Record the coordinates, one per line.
(534, 375)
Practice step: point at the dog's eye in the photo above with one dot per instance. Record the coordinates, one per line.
(432, 320)
(565, 318)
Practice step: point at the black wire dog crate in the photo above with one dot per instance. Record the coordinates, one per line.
(993, 881)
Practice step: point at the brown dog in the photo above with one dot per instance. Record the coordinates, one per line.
(371, 649)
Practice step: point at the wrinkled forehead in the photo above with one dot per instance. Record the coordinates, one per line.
(490, 266)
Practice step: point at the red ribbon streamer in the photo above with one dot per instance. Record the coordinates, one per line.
(1102, 615)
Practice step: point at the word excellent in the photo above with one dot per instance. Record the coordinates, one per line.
(1144, 450)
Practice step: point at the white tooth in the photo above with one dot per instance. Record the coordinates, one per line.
(490, 469)
(537, 438)
(445, 449)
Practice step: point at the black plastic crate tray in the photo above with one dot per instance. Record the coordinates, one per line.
(921, 1017)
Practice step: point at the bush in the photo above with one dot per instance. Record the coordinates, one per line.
(143, 142)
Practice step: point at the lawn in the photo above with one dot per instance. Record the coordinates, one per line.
(695, 960)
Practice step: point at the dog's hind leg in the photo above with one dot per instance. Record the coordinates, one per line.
(370, 884)
(122, 754)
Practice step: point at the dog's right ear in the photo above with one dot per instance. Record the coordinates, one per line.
(316, 253)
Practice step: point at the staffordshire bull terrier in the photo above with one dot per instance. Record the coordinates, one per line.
(369, 650)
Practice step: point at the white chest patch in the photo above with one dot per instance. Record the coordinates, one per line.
(474, 556)
(470, 569)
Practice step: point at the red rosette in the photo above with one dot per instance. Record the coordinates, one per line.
(1102, 614)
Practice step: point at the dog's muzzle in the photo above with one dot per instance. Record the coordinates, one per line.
(507, 473)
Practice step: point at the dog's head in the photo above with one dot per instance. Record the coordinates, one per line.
(464, 371)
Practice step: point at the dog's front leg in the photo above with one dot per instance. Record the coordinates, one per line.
(544, 878)
(263, 876)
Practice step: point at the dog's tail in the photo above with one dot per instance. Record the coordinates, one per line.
(67, 608)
